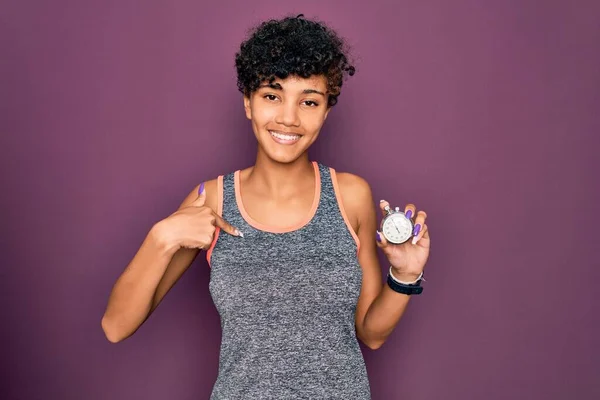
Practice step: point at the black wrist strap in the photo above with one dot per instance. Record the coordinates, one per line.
(404, 289)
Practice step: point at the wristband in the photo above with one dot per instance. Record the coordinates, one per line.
(416, 281)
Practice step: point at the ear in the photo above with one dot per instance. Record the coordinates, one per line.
(247, 107)
(327, 113)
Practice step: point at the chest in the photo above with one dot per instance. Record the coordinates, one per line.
(278, 213)
(309, 269)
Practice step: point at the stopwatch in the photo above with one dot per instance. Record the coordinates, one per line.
(396, 226)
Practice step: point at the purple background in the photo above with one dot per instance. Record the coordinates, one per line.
(485, 114)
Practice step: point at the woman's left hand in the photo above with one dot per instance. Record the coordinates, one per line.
(407, 259)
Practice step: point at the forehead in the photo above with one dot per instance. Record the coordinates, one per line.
(294, 82)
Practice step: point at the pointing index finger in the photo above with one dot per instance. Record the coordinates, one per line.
(227, 227)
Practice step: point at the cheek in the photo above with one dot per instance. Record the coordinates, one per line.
(315, 122)
(262, 115)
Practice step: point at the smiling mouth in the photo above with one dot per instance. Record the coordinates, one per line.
(285, 137)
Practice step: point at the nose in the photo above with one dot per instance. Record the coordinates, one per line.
(288, 115)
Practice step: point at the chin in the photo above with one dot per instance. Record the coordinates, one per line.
(282, 153)
(283, 158)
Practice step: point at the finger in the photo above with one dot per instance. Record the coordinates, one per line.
(419, 222)
(425, 232)
(384, 206)
(410, 210)
(423, 238)
(381, 241)
(227, 227)
(201, 199)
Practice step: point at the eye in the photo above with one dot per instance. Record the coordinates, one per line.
(270, 97)
(311, 103)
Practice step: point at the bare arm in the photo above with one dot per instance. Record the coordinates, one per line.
(153, 271)
(379, 308)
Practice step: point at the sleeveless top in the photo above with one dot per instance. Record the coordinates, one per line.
(287, 301)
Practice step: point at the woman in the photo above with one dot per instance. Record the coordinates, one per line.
(292, 244)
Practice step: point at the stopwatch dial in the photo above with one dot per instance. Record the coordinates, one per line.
(397, 228)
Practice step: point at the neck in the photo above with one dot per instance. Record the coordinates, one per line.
(277, 178)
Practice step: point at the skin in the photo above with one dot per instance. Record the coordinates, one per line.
(277, 191)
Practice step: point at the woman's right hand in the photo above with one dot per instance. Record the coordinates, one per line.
(193, 226)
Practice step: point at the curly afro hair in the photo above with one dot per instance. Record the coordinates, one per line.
(292, 46)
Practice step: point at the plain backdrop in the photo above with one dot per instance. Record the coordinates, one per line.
(483, 113)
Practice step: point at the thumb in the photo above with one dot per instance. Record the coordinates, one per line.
(201, 199)
(382, 243)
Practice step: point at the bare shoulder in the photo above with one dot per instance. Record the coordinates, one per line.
(352, 183)
(356, 196)
(212, 198)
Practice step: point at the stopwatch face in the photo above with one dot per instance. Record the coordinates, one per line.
(396, 228)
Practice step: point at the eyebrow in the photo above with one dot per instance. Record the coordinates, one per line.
(277, 86)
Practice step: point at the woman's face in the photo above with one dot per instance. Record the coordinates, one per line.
(287, 115)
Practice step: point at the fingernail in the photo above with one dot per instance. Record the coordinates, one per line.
(409, 214)
(201, 188)
(381, 201)
(378, 236)
(240, 234)
(417, 230)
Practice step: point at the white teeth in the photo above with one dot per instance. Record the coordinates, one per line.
(285, 137)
